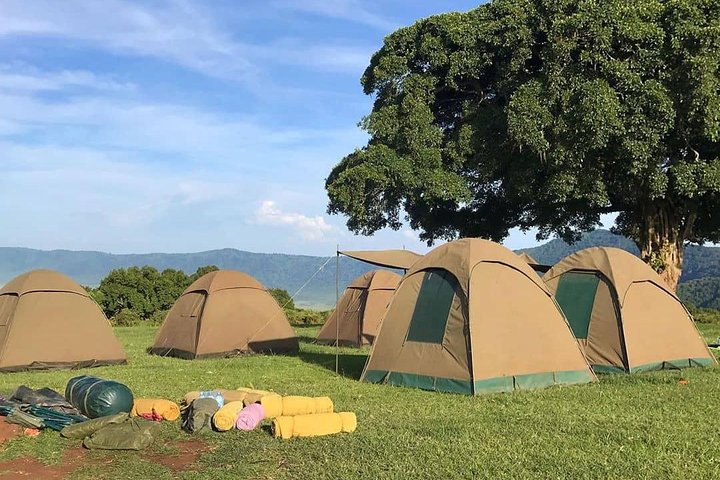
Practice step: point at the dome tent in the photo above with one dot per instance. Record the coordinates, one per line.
(624, 315)
(527, 258)
(360, 309)
(472, 317)
(222, 313)
(49, 321)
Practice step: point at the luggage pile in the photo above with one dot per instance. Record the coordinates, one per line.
(105, 414)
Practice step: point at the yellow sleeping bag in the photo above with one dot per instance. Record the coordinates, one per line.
(277, 406)
(254, 396)
(224, 419)
(314, 425)
(295, 405)
(170, 411)
(228, 395)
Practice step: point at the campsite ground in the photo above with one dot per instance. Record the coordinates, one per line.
(640, 426)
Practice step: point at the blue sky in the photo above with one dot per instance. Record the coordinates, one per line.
(187, 125)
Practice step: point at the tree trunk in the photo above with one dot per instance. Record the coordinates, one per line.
(661, 243)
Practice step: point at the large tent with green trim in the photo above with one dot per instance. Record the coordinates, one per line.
(624, 315)
(472, 317)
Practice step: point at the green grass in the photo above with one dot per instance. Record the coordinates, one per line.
(639, 426)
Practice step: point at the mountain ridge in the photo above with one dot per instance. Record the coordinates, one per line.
(290, 271)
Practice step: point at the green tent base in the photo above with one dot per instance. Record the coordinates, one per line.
(490, 385)
(663, 365)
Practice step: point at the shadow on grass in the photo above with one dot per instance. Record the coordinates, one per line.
(349, 365)
(306, 339)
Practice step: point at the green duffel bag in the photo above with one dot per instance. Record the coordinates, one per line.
(85, 429)
(96, 398)
(133, 434)
(199, 414)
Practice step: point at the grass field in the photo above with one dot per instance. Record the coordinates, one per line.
(640, 426)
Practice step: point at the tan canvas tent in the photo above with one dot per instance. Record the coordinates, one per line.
(223, 313)
(360, 309)
(471, 317)
(527, 258)
(49, 321)
(623, 314)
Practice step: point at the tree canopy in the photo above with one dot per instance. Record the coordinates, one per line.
(143, 291)
(547, 114)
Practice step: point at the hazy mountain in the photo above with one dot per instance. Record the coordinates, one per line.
(700, 262)
(291, 272)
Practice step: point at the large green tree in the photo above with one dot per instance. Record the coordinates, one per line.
(144, 291)
(547, 114)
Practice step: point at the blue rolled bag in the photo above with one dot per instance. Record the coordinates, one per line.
(95, 397)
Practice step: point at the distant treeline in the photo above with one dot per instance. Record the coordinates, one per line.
(143, 295)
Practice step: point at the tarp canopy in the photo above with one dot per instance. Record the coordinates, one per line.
(403, 259)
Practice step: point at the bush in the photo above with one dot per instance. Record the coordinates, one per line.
(304, 317)
(703, 315)
(283, 298)
(157, 318)
(126, 318)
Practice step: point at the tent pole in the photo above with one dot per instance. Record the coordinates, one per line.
(337, 300)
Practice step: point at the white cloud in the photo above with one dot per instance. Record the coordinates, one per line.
(410, 234)
(351, 59)
(92, 170)
(179, 32)
(309, 228)
(348, 10)
(164, 128)
(24, 78)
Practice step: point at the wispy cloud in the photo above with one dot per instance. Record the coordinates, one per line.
(348, 10)
(17, 77)
(177, 32)
(309, 228)
(182, 33)
(164, 128)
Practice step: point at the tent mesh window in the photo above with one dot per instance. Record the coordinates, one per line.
(576, 297)
(356, 301)
(198, 301)
(7, 306)
(432, 307)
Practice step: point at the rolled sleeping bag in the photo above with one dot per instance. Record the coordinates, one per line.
(95, 397)
(314, 425)
(224, 419)
(277, 406)
(250, 417)
(167, 409)
(295, 405)
(226, 395)
(272, 405)
(85, 429)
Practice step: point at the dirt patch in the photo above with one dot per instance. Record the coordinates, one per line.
(189, 451)
(30, 467)
(8, 431)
